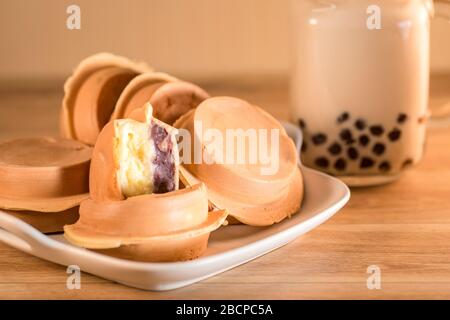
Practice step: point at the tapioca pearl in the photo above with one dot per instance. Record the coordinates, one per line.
(360, 124)
(304, 146)
(301, 123)
(352, 153)
(340, 164)
(343, 117)
(385, 166)
(322, 162)
(366, 163)
(335, 149)
(376, 130)
(402, 117)
(364, 140)
(395, 134)
(379, 149)
(407, 163)
(346, 135)
(319, 138)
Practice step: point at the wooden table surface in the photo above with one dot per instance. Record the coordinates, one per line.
(403, 228)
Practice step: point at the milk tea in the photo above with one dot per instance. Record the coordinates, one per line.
(360, 90)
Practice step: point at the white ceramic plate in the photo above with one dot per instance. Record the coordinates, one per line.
(228, 247)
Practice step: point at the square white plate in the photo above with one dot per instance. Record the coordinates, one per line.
(228, 247)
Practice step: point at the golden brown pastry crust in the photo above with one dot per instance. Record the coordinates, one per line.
(251, 198)
(43, 174)
(47, 222)
(138, 92)
(174, 99)
(171, 226)
(82, 72)
(165, 227)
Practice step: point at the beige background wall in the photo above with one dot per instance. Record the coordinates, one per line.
(196, 38)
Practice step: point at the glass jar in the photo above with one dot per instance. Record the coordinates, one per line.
(360, 85)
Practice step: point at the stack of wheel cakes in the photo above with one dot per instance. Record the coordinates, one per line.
(253, 193)
(114, 182)
(43, 180)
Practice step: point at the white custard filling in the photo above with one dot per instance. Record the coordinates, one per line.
(135, 154)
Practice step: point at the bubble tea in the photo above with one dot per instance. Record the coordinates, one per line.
(360, 86)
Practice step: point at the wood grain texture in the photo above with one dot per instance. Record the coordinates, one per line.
(404, 228)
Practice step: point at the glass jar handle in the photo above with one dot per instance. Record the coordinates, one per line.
(440, 114)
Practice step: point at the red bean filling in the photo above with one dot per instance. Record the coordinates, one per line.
(164, 171)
